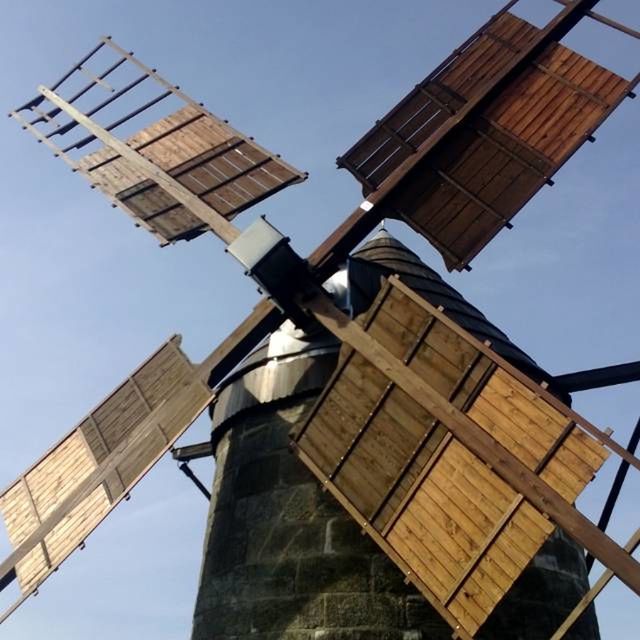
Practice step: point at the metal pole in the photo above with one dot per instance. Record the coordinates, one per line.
(616, 487)
(186, 469)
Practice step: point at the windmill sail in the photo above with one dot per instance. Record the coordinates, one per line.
(457, 529)
(501, 149)
(62, 498)
(222, 170)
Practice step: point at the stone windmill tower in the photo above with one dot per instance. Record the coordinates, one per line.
(281, 558)
(451, 462)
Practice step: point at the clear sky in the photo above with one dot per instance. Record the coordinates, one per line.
(85, 296)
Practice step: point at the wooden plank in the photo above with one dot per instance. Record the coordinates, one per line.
(521, 479)
(548, 403)
(76, 167)
(223, 229)
(513, 184)
(385, 546)
(426, 445)
(180, 402)
(190, 102)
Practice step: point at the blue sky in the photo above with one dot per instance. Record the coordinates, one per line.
(84, 296)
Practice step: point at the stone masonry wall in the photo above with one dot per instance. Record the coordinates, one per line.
(282, 560)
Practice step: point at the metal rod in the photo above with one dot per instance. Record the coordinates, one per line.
(186, 469)
(78, 65)
(54, 112)
(40, 137)
(85, 141)
(7, 578)
(39, 99)
(616, 487)
(74, 123)
(597, 378)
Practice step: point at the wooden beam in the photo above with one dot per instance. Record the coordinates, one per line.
(226, 231)
(606, 21)
(152, 73)
(59, 153)
(471, 196)
(36, 515)
(410, 353)
(84, 489)
(514, 156)
(556, 29)
(508, 467)
(500, 525)
(192, 452)
(580, 421)
(590, 596)
(387, 548)
(423, 440)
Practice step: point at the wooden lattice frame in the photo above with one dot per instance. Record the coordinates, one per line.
(185, 174)
(533, 483)
(513, 104)
(55, 504)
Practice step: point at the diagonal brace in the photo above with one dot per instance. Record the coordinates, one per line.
(226, 231)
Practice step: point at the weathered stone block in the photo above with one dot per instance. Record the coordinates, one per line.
(363, 634)
(272, 614)
(223, 621)
(421, 615)
(277, 540)
(363, 610)
(344, 535)
(298, 503)
(292, 471)
(387, 578)
(326, 504)
(258, 476)
(339, 573)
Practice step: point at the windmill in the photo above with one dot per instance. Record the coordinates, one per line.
(409, 173)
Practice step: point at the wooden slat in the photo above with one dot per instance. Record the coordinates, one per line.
(78, 456)
(467, 523)
(224, 230)
(549, 107)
